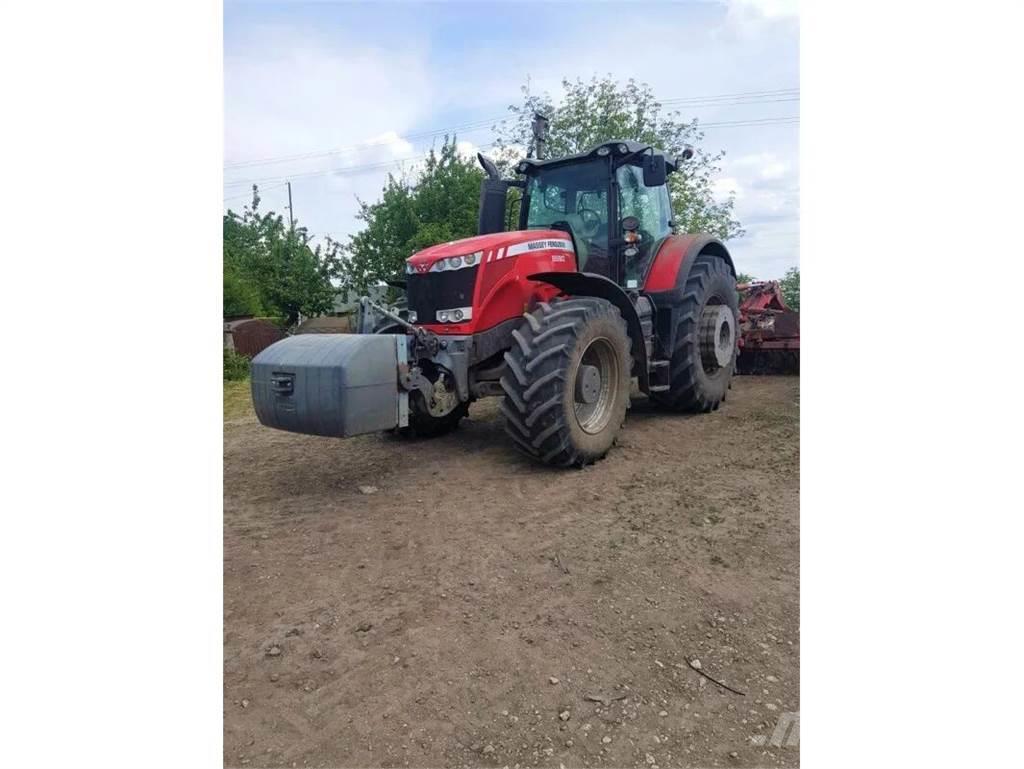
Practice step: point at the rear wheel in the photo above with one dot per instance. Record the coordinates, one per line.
(568, 380)
(704, 358)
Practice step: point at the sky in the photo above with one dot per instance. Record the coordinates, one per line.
(333, 96)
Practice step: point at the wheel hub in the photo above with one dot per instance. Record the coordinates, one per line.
(596, 383)
(717, 335)
(588, 384)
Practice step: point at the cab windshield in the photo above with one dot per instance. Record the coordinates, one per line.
(575, 195)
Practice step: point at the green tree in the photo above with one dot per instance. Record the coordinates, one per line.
(271, 267)
(790, 286)
(598, 110)
(241, 295)
(438, 205)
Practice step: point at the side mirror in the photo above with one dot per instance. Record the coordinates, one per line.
(489, 168)
(687, 154)
(655, 171)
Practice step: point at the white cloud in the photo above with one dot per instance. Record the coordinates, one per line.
(768, 8)
(724, 186)
(288, 92)
(767, 204)
(466, 149)
(747, 19)
(292, 92)
(764, 165)
(395, 145)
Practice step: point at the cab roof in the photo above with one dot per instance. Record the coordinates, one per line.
(614, 147)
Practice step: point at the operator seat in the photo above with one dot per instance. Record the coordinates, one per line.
(575, 222)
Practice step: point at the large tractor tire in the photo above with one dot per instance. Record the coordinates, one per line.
(704, 358)
(568, 380)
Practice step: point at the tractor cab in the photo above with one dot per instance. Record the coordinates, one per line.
(612, 200)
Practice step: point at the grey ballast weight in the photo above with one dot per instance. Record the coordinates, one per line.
(330, 384)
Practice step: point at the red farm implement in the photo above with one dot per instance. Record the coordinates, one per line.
(769, 331)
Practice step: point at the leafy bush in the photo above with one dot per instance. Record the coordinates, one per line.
(236, 365)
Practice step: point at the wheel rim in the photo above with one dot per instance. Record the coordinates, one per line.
(595, 383)
(717, 336)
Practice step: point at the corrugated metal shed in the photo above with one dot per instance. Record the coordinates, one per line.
(250, 336)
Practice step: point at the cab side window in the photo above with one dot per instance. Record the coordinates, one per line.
(648, 204)
(651, 207)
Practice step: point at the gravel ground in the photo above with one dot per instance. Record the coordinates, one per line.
(448, 603)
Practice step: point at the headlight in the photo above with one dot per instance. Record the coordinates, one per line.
(455, 315)
(456, 262)
(409, 269)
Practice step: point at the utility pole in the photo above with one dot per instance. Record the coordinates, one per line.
(291, 213)
(540, 136)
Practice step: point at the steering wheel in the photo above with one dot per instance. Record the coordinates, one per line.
(591, 221)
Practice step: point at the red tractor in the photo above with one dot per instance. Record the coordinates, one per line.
(556, 317)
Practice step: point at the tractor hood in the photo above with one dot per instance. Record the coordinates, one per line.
(488, 247)
(466, 286)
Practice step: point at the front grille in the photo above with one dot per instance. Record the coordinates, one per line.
(429, 292)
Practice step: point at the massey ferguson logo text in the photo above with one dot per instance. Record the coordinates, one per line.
(536, 244)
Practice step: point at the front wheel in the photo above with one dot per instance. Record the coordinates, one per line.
(568, 380)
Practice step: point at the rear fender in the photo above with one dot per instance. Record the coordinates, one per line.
(667, 278)
(674, 259)
(590, 284)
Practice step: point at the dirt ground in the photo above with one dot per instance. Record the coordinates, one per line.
(470, 609)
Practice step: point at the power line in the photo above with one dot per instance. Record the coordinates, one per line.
(788, 119)
(757, 121)
(249, 192)
(720, 100)
(346, 170)
(343, 171)
(474, 126)
(752, 94)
